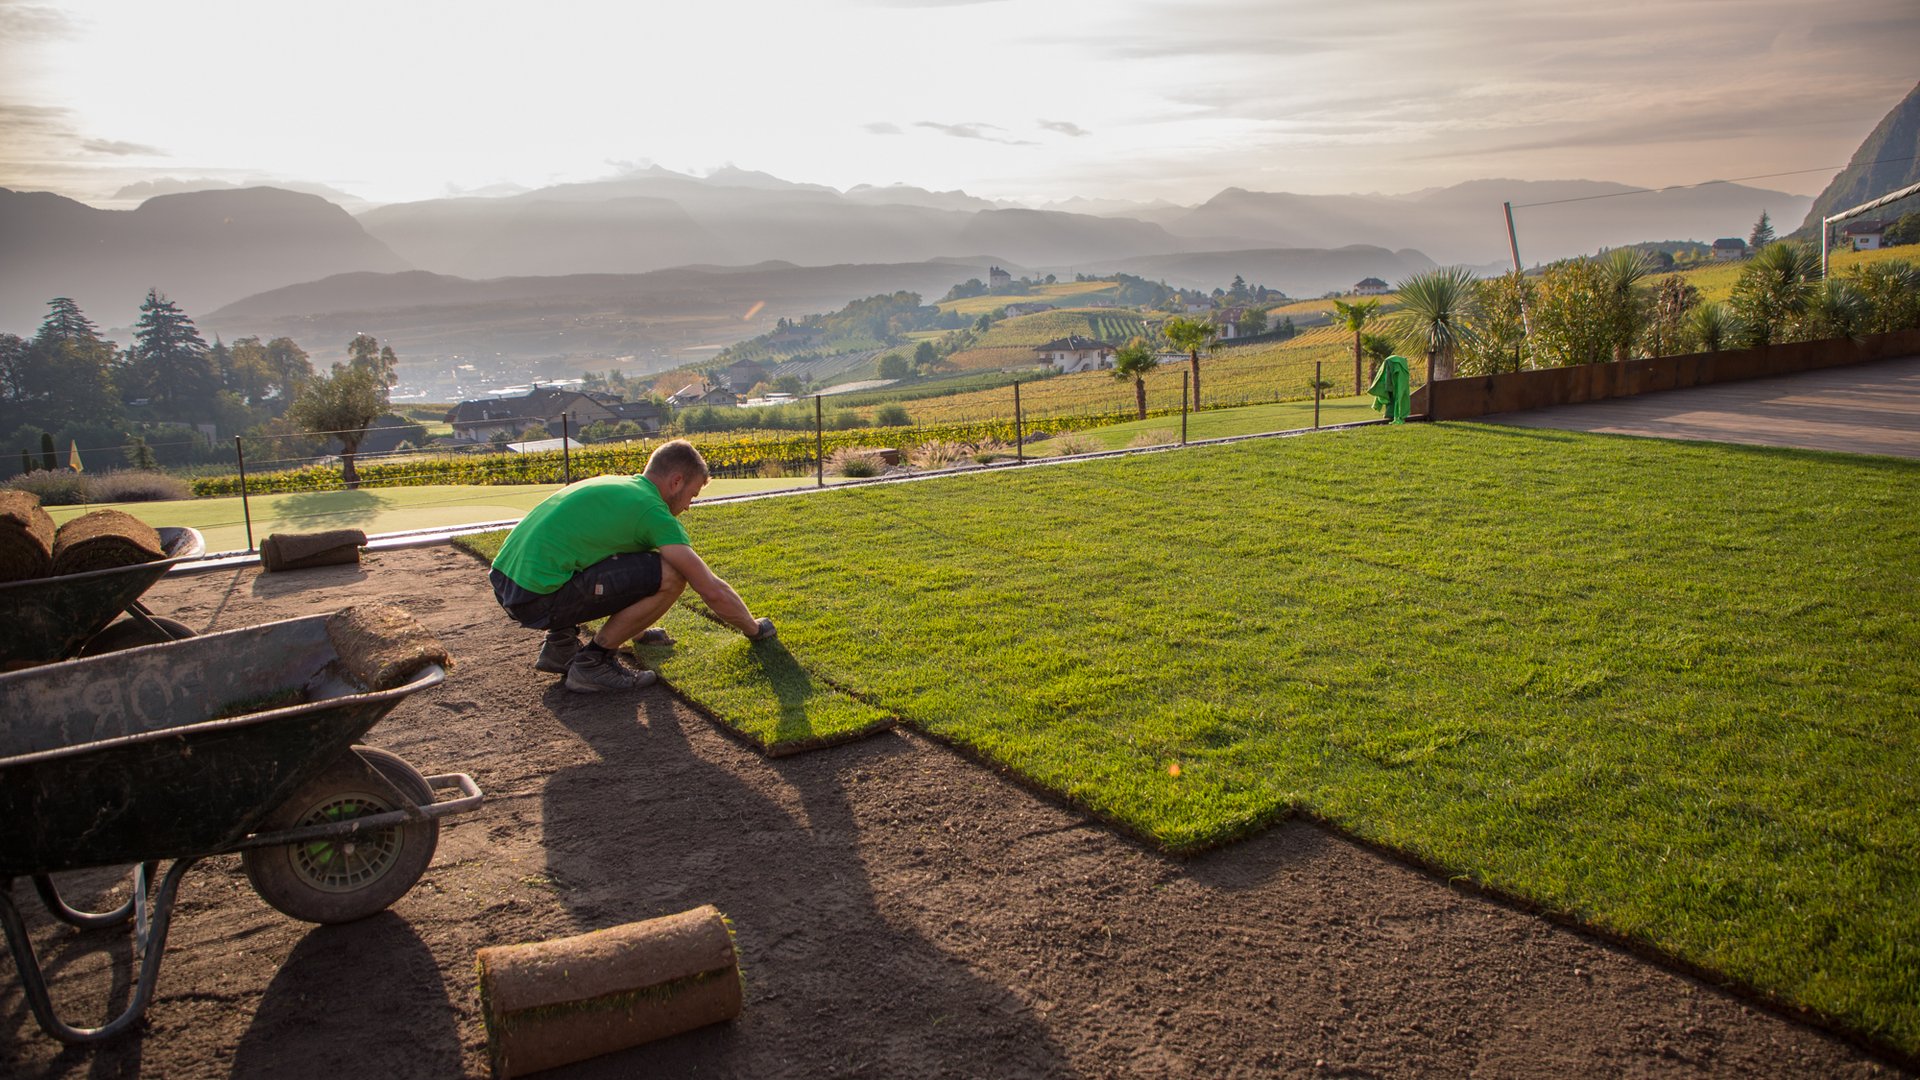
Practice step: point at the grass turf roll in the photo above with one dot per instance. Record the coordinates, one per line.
(26, 537)
(550, 1003)
(301, 551)
(380, 646)
(104, 540)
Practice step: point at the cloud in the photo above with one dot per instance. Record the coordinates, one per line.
(881, 127)
(22, 23)
(1065, 127)
(120, 148)
(974, 131)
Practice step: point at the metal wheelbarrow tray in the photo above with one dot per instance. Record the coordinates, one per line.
(53, 618)
(241, 741)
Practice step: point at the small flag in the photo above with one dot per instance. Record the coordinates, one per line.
(73, 456)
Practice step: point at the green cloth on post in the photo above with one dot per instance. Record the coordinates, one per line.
(1392, 389)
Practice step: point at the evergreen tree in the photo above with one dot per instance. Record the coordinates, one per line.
(171, 366)
(47, 459)
(1762, 233)
(66, 322)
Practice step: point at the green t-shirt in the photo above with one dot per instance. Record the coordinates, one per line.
(583, 523)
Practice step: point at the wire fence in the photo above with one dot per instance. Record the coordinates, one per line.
(286, 480)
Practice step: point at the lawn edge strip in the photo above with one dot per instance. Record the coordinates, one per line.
(889, 719)
(785, 748)
(1636, 946)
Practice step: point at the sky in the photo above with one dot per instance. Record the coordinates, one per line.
(1024, 100)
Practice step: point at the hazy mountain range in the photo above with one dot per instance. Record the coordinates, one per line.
(208, 249)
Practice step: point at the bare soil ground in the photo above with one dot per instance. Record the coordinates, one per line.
(900, 911)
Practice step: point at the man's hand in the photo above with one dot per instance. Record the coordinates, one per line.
(763, 631)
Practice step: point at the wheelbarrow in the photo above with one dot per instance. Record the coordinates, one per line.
(53, 618)
(241, 741)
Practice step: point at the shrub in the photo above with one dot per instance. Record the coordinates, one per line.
(937, 455)
(991, 450)
(853, 461)
(1156, 437)
(891, 416)
(136, 485)
(55, 487)
(1068, 443)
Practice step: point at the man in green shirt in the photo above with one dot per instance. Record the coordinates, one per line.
(612, 547)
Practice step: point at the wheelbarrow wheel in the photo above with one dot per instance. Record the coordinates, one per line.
(129, 633)
(328, 881)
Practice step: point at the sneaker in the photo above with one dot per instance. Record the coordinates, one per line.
(590, 673)
(556, 654)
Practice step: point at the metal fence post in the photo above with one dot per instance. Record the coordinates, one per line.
(819, 446)
(1019, 426)
(1183, 408)
(1316, 395)
(246, 512)
(566, 458)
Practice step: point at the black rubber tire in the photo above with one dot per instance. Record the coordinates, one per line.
(130, 632)
(329, 882)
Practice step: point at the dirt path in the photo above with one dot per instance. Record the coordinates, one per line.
(900, 912)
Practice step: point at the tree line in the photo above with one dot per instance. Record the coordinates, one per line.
(155, 400)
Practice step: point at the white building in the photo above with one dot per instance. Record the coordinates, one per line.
(1076, 353)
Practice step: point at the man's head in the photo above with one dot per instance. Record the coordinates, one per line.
(678, 470)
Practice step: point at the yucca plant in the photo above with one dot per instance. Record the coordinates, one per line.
(1771, 297)
(1625, 312)
(1434, 309)
(1711, 326)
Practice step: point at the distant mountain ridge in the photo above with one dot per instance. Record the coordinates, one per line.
(1887, 161)
(208, 249)
(202, 249)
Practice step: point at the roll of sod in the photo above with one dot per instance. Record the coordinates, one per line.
(26, 537)
(304, 551)
(104, 540)
(550, 1003)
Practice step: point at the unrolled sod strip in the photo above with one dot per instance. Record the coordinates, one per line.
(549, 1003)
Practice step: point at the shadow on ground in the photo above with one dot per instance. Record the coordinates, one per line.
(630, 837)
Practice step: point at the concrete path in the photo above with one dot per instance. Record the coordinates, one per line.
(1864, 409)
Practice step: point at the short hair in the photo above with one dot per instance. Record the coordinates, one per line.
(677, 458)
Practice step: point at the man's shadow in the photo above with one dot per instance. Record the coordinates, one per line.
(663, 822)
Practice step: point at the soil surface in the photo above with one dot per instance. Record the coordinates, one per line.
(900, 911)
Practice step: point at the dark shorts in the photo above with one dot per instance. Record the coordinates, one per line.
(611, 585)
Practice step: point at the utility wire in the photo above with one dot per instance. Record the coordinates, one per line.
(1708, 183)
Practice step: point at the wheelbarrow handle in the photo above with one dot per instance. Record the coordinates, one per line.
(470, 798)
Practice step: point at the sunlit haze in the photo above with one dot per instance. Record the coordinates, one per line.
(1031, 101)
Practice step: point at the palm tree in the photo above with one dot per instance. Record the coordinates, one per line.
(1134, 360)
(1354, 317)
(1433, 315)
(1190, 336)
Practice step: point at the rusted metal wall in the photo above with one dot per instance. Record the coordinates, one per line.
(1484, 395)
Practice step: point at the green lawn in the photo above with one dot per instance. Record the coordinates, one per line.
(1246, 420)
(1668, 689)
(372, 510)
